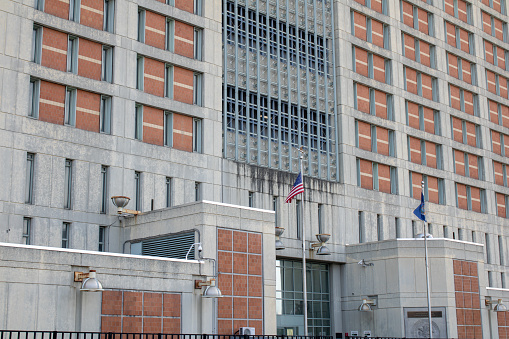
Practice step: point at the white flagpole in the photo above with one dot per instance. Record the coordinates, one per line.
(303, 236)
(427, 269)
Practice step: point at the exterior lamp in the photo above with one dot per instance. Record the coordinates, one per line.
(366, 305)
(120, 202)
(90, 282)
(322, 249)
(279, 243)
(212, 291)
(499, 307)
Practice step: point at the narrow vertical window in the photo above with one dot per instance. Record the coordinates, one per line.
(320, 218)
(197, 7)
(33, 100)
(36, 44)
(138, 122)
(102, 238)
(502, 279)
(74, 10)
(197, 87)
(141, 25)
(501, 250)
(139, 72)
(414, 229)
(168, 129)
(473, 237)
(168, 191)
(275, 209)
(104, 189)
(251, 199)
(490, 279)
(72, 54)
(488, 247)
(299, 219)
(109, 15)
(168, 82)
(70, 106)
(68, 184)
(379, 227)
(39, 5)
(170, 35)
(197, 191)
(397, 225)
(361, 227)
(105, 114)
(29, 186)
(445, 234)
(66, 229)
(197, 135)
(198, 43)
(107, 64)
(137, 190)
(27, 228)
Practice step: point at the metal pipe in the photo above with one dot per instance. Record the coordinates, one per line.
(427, 269)
(304, 282)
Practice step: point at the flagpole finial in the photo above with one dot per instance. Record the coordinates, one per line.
(422, 184)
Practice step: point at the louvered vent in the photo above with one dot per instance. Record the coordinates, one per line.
(172, 246)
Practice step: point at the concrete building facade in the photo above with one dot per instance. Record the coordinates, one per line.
(197, 110)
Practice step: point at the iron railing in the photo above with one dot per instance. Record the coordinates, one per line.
(9, 334)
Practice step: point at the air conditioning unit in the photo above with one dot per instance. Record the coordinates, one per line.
(247, 331)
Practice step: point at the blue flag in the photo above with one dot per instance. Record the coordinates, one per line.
(420, 212)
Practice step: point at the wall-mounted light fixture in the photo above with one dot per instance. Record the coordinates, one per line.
(367, 304)
(212, 291)
(199, 248)
(120, 202)
(279, 243)
(499, 307)
(320, 245)
(90, 282)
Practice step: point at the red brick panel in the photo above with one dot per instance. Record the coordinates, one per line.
(155, 29)
(496, 142)
(462, 196)
(433, 195)
(471, 135)
(451, 34)
(493, 108)
(423, 21)
(133, 304)
(379, 68)
(171, 304)
(462, 11)
(360, 26)
(424, 49)
(184, 39)
(409, 43)
(459, 162)
(431, 154)
(88, 107)
(240, 263)
(499, 29)
(475, 194)
(464, 41)
(502, 84)
(411, 80)
(225, 261)
(254, 243)
(501, 210)
(182, 132)
(183, 85)
(54, 49)
(382, 140)
(224, 240)
(239, 241)
(254, 264)
(90, 59)
(255, 308)
(171, 325)
(377, 33)
(413, 115)
(57, 8)
(467, 73)
(501, 57)
(381, 104)
(363, 98)
(449, 7)
(154, 77)
(361, 62)
(111, 324)
(457, 127)
(427, 86)
(415, 150)
(491, 78)
(384, 178)
(153, 125)
(225, 283)
(92, 13)
(468, 98)
(52, 103)
(453, 65)
(506, 144)
(225, 326)
(505, 115)
(185, 5)
(455, 97)
(366, 172)
(498, 169)
(376, 5)
(225, 307)
(486, 22)
(408, 14)
(473, 170)
(132, 324)
(486, 2)
(362, 2)
(416, 185)
(112, 302)
(240, 308)
(429, 120)
(488, 52)
(255, 286)
(497, 5)
(364, 131)
(152, 325)
(152, 305)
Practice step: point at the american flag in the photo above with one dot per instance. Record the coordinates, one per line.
(297, 189)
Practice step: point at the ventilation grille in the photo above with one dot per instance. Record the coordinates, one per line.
(173, 246)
